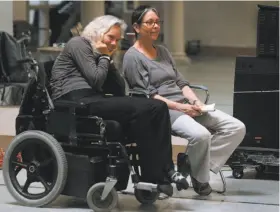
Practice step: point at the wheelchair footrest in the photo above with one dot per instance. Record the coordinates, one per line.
(146, 186)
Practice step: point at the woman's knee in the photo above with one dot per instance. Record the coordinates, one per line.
(154, 106)
(141, 101)
(159, 105)
(189, 129)
(203, 136)
(239, 129)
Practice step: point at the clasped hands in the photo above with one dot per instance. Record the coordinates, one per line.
(189, 109)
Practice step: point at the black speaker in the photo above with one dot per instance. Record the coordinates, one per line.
(268, 31)
(259, 111)
(256, 74)
(256, 100)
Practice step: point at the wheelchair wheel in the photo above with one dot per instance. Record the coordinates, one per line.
(146, 197)
(42, 161)
(237, 173)
(94, 198)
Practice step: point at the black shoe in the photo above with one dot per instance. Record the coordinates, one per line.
(203, 189)
(183, 164)
(166, 189)
(180, 181)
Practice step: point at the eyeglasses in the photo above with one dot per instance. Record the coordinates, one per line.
(152, 23)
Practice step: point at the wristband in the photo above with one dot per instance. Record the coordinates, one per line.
(106, 57)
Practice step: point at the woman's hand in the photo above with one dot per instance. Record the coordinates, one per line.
(191, 110)
(102, 48)
(198, 103)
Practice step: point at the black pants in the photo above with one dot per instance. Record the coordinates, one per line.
(148, 123)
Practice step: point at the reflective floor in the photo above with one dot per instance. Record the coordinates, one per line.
(243, 195)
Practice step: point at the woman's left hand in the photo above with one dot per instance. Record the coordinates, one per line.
(199, 103)
(197, 106)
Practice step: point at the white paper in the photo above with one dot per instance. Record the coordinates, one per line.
(208, 108)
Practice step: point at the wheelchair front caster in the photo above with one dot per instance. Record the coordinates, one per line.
(237, 173)
(146, 197)
(260, 169)
(95, 202)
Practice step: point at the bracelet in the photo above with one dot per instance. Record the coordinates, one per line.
(106, 57)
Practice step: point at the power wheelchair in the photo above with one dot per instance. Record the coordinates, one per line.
(69, 152)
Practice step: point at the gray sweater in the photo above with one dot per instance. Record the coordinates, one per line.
(158, 76)
(78, 67)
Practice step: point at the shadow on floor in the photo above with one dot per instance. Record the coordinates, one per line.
(244, 193)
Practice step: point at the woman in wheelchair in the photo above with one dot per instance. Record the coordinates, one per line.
(84, 72)
(151, 68)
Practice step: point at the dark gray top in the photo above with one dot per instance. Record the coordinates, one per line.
(78, 67)
(158, 76)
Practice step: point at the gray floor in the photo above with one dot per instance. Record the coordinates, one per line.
(243, 195)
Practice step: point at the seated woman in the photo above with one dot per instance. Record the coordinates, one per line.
(84, 71)
(151, 68)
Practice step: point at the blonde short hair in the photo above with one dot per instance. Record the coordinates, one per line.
(100, 25)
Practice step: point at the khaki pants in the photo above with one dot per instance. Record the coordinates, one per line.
(208, 151)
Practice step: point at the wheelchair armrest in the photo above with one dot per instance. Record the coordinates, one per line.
(68, 104)
(204, 88)
(201, 87)
(139, 93)
(25, 60)
(25, 38)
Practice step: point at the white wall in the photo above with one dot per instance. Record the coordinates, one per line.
(6, 20)
(7, 120)
(222, 23)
